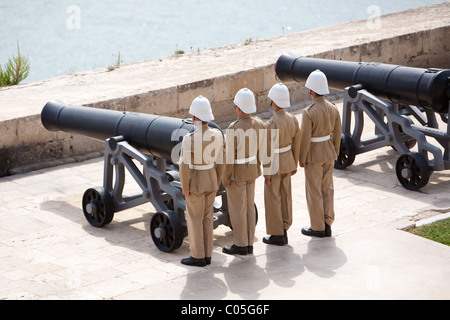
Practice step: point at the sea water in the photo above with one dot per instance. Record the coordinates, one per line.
(67, 36)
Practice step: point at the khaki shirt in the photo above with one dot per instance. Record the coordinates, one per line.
(203, 147)
(282, 131)
(244, 139)
(319, 120)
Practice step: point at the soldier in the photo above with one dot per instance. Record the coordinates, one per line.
(283, 129)
(320, 139)
(242, 167)
(201, 166)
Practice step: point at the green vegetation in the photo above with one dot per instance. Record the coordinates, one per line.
(116, 65)
(178, 52)
(438, 231)
(15, 71)
(248, 41)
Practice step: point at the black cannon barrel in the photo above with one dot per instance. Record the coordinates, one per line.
(429, 88)
(156, 134)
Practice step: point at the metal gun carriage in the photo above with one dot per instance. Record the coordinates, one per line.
(403, 103)
(133, 139)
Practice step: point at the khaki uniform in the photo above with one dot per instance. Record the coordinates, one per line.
(242, 167)
(284, 160)
(201, 166)
(319, 152)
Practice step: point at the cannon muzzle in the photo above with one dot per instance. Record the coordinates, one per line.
(156, 134)
(428, 88)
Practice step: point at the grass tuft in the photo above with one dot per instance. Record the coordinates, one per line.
(438, 231)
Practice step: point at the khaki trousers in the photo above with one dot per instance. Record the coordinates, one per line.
(320, 194)
(199, 218)
(241, 206)
(278, 204)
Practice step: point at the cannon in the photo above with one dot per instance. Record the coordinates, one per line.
(133, 140)
(404, 103)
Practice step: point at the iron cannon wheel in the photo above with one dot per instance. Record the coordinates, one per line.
(412, 171)
(166, 231)
(347, 153)
(98, 207)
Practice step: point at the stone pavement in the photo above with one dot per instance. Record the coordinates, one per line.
(49, 251)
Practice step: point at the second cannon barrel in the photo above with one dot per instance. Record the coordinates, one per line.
(428, 88)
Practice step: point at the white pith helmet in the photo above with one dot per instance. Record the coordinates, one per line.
(317, 82)
(245, 100)
(201, 108)
(280, 95)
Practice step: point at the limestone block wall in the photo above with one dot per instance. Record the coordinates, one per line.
(429, 48)
(167, 86)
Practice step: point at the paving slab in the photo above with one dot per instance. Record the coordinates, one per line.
(49, 251)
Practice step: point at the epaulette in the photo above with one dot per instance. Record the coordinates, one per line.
(259, 121)
(310, 106)
(331, 102)
(233, 124)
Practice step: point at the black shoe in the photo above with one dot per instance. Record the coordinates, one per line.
(285, 237)
(276, 240)
(250, 249)
(327, 230)
(208, 260)
(311, 233)
(235, 250)
(194, 262)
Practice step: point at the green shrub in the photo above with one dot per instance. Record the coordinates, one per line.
(15, 71)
